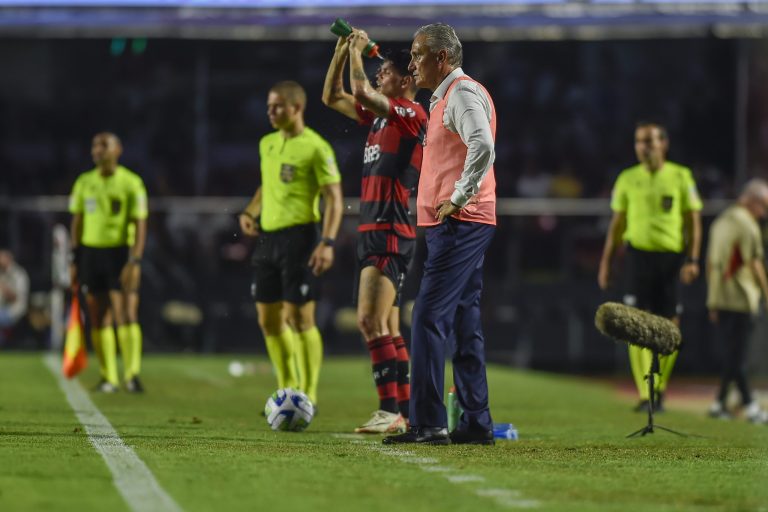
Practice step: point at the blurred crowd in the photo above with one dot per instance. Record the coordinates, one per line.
(191, 112)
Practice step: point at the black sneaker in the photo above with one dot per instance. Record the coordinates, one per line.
(642, 406)
(472, 437)
(421, 435)
(134, 385)
(104, 386)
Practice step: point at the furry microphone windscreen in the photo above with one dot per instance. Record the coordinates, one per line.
(631, 325)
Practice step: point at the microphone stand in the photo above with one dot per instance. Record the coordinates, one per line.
(648, 429)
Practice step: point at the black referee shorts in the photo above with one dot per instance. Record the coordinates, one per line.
(653, 281)
(281, 269)
(99, 269)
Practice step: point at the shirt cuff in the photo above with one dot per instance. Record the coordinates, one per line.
(459, 199)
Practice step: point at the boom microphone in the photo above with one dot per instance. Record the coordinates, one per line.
(631, 325)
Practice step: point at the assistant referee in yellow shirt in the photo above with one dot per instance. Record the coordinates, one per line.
(656, 213)
(108, 232)
(292, 248)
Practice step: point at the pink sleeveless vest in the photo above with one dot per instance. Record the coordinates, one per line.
(443, 162)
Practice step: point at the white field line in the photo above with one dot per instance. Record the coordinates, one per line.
(132, 477)
(509, 498)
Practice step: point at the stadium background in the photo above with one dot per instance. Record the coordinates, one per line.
(185, 88)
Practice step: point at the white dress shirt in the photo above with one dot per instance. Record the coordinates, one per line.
(468, 114)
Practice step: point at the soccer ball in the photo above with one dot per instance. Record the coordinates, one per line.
(289, 409)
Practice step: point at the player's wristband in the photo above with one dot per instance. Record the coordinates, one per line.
(328, 241)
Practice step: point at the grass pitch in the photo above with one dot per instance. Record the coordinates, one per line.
(199, 431)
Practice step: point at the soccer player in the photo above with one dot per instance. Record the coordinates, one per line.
(736, 281)
(297, 167)
(657, 213)
(105, 201)
(391, 165)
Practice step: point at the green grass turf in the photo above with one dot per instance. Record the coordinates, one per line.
(199, 431)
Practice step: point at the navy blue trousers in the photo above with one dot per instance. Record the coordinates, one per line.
(447, 305)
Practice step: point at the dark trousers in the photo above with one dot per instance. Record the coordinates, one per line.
(733, 331)
(448, 304)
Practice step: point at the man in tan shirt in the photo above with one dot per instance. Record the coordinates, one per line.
(736, 281)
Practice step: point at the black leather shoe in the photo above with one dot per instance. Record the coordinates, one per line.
(472, 437)
(421, 435)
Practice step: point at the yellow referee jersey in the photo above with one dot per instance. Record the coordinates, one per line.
(108, 205)
(655, 203)
(292, 172)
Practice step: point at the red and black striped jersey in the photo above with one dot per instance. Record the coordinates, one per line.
(391, 166)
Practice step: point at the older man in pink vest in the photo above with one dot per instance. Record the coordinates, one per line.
(456, 205)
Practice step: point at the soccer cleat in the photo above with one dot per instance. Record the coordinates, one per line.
(383, 422)
(133, 385)
(717, 411)
(642, 406)
(754, 413)
(104, 386)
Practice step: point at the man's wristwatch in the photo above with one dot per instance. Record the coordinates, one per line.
(688, 260)
(328, 241)
(133, 260)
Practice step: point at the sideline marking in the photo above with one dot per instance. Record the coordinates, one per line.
(132, 477)
(509, 498)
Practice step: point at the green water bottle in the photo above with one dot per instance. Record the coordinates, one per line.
(453, 409)
(342, 28)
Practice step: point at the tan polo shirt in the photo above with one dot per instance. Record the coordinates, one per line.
(734, 242)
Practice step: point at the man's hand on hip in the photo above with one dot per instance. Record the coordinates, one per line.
(445, 209)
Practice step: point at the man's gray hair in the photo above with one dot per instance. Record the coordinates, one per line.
(755, 188)
(440, 36)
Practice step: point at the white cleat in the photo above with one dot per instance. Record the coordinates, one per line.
(754, 413)
(717, 411)
(383, 422)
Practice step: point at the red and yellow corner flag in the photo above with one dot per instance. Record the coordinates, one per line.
(75, 353)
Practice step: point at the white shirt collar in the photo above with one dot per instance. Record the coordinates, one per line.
(445, 84)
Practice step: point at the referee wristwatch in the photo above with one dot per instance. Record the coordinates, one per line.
(328, 241)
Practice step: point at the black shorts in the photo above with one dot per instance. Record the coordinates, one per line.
(99, 269)
(653, 281)
(389, 253)
(281, 265)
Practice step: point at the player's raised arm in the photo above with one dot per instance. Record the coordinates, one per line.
(362, 91)
(334, 95)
